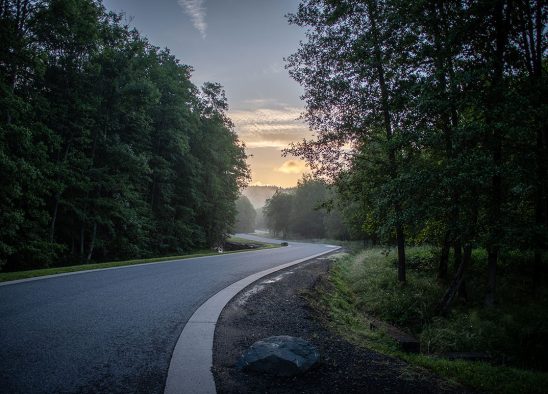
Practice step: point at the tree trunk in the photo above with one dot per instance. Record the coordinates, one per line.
(457, 258)
(543, 131)
(82, 234)
(444, 257)
(57, 197)
(495, 233)
(540, 213)
(448, 119)
(541, 200)
(444, 305)
(401, 253)
(400, 236)
(152, 193)
(492, 256)
(466, 260)
(54, 216)
(92, 242)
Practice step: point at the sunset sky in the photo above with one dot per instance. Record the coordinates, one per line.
(240, 44)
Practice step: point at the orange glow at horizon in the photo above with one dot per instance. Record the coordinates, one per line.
(266, 130)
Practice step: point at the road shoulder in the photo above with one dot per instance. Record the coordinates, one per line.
(190, 368)
(277, 305)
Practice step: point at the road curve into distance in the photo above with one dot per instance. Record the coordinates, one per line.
(114, 330)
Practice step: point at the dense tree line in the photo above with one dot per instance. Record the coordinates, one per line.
(309, 211)
(431, 119)
(245, 216)
(107, 150)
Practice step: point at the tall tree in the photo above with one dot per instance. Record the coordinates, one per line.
(107, 150)
(351, 74)
(277, 212)
(246, 215)
(308, 219)
(431, 120)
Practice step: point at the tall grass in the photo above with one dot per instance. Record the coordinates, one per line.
(514, 333)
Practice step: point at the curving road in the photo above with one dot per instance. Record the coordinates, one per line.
(113, 330)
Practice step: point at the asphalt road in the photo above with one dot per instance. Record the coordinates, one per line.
(113, 331)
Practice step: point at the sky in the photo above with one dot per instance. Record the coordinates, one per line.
(240, 44)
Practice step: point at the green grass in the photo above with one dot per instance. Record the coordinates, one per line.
(349, 245)
(241, 240)
(364, 284)
(353, 246)
(8, 276)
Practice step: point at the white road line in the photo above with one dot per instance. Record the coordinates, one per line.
(182, 259)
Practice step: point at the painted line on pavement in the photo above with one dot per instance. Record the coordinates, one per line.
(16, 281)
(192, 359)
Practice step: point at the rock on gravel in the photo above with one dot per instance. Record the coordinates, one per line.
(285, 303)
(281, 355)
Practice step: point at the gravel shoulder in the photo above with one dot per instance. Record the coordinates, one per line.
(277, 305)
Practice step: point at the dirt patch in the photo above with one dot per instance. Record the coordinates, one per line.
(276, 305)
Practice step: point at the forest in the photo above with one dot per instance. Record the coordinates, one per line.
(430, 149)
(309, 211)
(431, 120)
(107, 149)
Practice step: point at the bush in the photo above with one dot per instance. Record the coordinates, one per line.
(513, 334)
(372, 279)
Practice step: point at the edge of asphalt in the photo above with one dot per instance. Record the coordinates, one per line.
(16, 281)
(192, 359)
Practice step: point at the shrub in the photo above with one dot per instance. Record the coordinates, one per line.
(513, 334)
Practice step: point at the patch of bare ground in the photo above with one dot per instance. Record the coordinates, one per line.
(280, 304)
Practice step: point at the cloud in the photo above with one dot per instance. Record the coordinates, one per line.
(260, 103)
(267, 115)
(270, 127)
(277, 140)
(197, 12)
(292, 167)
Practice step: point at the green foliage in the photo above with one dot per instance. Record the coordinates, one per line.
(430, 120)
(461, 332)
(260, 222)
(484, 377)
(277, 212)
(307, 219)
(508, 333)
(308, 211)
(245, 218)
(371, 276)
(107, 150)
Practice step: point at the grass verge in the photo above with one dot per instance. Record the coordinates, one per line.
(9, 276)
(364, 284)
(353, 246)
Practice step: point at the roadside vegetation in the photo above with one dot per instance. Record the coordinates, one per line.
(362, 286)
(108, 151)
(430, 129)
(309, 211)
(246, 216)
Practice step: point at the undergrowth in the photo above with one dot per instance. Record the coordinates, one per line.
(513, 334)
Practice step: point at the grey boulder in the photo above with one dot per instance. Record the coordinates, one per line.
(280, 355)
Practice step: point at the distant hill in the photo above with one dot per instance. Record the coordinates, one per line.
(259, 194)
